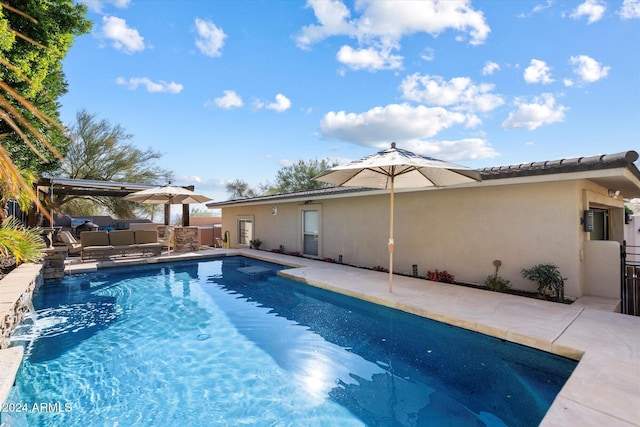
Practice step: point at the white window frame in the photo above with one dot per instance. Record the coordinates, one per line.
(301, 233)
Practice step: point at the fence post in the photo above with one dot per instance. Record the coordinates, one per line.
(623, 277)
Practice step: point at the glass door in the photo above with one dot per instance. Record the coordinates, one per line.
(245, 231)
(310, 228)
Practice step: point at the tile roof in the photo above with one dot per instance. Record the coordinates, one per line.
(574, 164)
(624, 159)
(328, 191)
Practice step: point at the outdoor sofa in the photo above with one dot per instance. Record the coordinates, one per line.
(102, 244)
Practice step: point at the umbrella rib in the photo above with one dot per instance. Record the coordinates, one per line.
(360, 171)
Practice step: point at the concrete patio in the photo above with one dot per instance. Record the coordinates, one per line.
(603, 390)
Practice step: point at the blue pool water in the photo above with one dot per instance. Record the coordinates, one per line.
(228, 342)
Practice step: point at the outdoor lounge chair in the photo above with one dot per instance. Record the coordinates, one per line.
(73, 246)
(166, 240)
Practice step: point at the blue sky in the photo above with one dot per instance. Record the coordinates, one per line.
(238, 89)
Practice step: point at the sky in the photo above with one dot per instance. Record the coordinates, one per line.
(230, 90)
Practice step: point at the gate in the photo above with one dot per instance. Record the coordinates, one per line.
(630, 274)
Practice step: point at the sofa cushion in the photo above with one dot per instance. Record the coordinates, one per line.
(94, 238)
(121, 238)
(146, 236)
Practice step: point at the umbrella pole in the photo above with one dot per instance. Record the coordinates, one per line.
(391, 241)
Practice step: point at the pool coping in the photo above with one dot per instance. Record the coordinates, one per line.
(605, 386)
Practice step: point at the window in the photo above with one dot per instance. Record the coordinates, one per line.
(310, 232)
(245, 231)
(600, 224)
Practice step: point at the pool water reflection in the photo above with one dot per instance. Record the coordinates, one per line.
(227, 342)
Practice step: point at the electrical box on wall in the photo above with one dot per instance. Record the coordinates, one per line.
(587, 220)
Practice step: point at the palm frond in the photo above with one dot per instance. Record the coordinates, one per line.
(24, 244)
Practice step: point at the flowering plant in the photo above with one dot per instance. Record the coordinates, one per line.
(441, 276)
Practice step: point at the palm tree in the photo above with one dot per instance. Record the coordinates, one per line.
(15, 240)
(11, 104)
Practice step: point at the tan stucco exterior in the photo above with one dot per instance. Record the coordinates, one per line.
(521, 222)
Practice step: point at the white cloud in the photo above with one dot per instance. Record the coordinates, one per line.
(332, 16)
(460, 92)
(490, 68)
(541, 7)
(428, 54)
(210, 38)
(394, 122)
(381, 25)
(538, 72)
(369, 59)
(453, 151)
(229, 100)
(410, 127)
(536, 9)
(97, 5)
(151, 86)
(592, 9)
(281, 103)
(588, 68)
(123, 38)
(542, 111)
(630, 9)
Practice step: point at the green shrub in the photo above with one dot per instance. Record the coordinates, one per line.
(548, 278)
(497, 283)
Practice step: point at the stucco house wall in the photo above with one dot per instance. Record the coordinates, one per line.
(522, 215)
(461, 230)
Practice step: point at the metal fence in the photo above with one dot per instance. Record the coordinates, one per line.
(630, 274)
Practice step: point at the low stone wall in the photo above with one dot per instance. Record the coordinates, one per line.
(186, 239)
(16, 290)
(54, 259)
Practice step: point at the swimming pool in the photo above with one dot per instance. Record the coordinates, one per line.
(228, 342)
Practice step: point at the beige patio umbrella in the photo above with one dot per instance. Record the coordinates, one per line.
(167, 195)
(396, 168)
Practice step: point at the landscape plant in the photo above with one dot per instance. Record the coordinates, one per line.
(441, 276)
(255, 243)
(548, 278)
(34, 38)
(21, 243)
(495, 282)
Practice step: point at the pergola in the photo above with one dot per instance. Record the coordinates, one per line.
(84, 187)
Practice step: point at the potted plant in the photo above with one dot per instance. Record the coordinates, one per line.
(627, 214)
(255, 243)
(548, 278)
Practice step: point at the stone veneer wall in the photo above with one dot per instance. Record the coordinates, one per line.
(54, 262)
(186, 239)
(16, 290)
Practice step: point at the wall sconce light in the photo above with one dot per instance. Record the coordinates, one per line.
(614, 193)
(587, 221)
